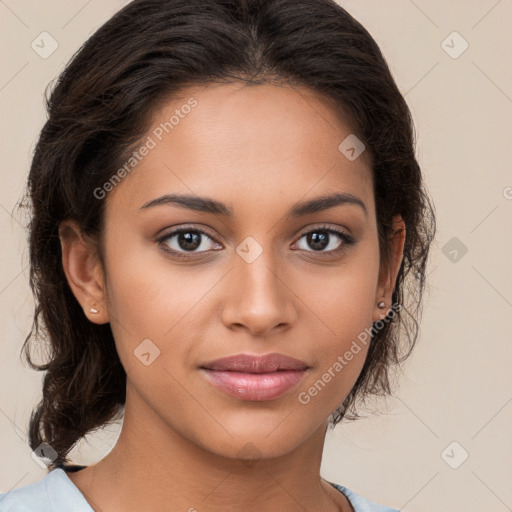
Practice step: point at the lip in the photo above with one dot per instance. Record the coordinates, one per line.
(255, 378)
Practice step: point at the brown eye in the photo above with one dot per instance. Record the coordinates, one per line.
(188, 240)
(325, 240)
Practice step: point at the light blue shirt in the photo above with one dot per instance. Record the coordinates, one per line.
(57, 493)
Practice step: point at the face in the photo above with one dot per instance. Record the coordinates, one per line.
(211, 250)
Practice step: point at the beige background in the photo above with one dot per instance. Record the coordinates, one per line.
(457, 385)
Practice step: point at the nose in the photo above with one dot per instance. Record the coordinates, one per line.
(260, 297)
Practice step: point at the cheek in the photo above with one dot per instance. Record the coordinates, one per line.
(343, 303)
(150, 297)
(144, 290)
(343, 299)
(342, 339)
(141, 303)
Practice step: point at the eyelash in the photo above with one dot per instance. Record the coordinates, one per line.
(345, 237)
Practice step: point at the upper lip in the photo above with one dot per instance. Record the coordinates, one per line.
(256, 363)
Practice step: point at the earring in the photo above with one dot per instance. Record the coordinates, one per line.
(93, 310)
(381, 305)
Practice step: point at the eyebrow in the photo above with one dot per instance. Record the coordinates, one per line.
(207, 205)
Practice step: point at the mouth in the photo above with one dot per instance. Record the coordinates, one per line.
(255, 378)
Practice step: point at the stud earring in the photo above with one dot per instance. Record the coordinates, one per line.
(381, 305)
(94, 310)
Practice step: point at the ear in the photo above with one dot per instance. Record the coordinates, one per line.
(389, 272)
(84, 271)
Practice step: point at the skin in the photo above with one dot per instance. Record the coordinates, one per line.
(184, 444)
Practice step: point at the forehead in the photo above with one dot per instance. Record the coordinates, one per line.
(243, 142)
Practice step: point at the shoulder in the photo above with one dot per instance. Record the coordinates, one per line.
(30, 497)
(360, 503)
(54, 493)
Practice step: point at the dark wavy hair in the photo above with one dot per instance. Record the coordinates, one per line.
(101, 106)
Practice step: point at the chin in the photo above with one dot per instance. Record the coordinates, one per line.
(251, 438)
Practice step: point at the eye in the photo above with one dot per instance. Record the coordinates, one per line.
(188, 240)
(321, 238)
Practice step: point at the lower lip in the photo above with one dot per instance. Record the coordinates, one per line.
(255, 386)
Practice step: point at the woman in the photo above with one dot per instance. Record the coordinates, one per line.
(226, 212)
